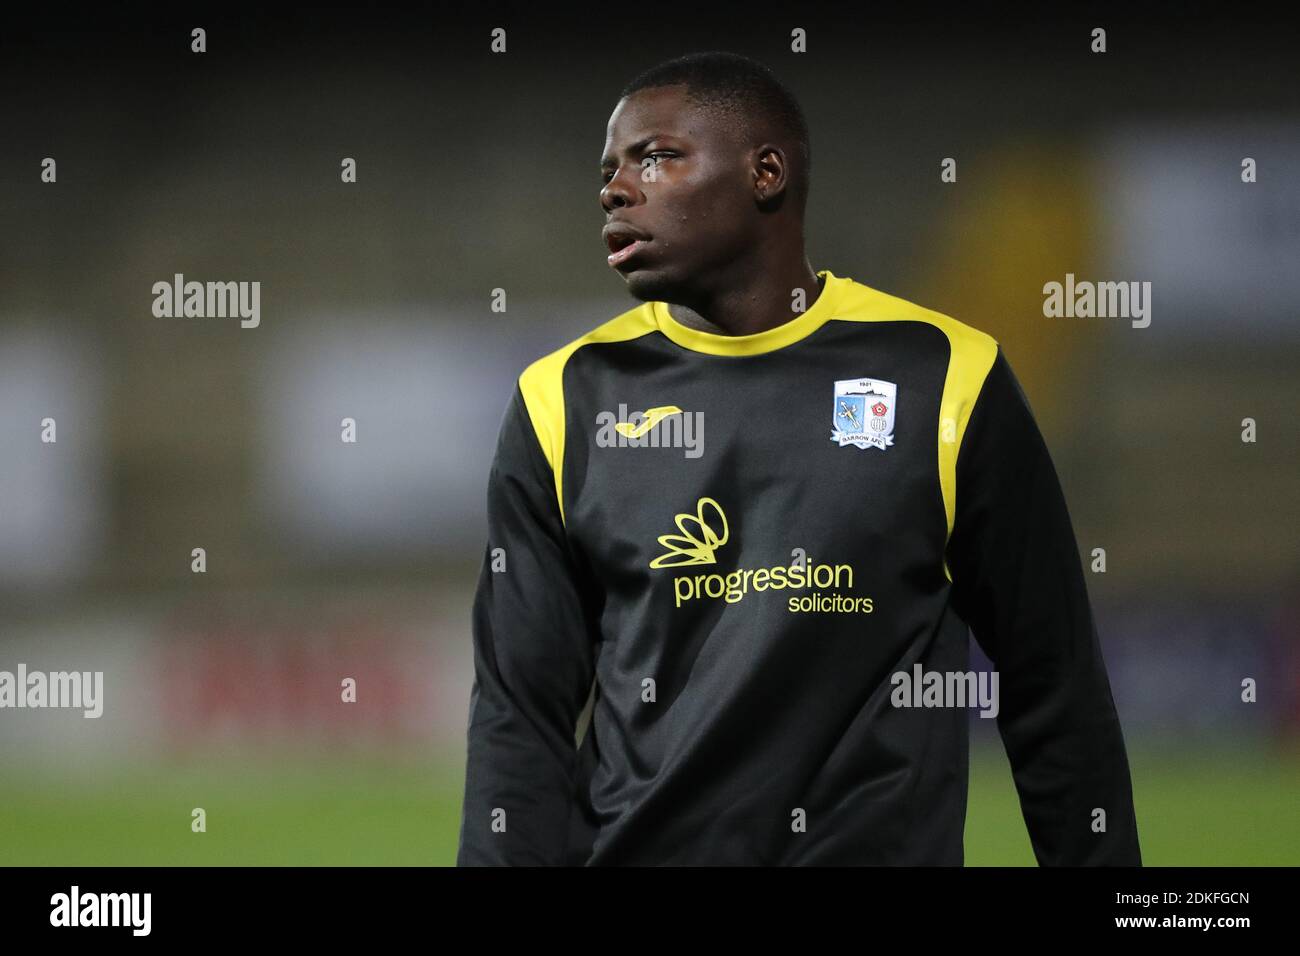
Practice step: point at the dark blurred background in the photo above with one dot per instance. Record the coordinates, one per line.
(478, 171)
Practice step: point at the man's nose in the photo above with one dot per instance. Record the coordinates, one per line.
(616, 193)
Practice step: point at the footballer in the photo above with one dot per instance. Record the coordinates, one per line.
(871, 488)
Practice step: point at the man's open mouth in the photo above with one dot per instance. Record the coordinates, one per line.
(624, 250)
(623, 244)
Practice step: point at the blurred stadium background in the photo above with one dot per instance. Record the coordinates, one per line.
(476, 172)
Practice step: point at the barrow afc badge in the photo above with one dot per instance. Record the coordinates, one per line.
(864, 413)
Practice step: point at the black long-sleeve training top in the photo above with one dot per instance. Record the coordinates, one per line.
(766, 551)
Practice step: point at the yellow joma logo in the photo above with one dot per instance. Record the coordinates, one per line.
(697, 541)
(653, 416)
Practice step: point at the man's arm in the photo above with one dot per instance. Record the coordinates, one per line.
(1019, 583)
(533, 666)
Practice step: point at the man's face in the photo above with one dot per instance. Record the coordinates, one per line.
(677, 176)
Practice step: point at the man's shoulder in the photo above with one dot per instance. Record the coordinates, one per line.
(864, 303)
(547, 370)
(541, 384)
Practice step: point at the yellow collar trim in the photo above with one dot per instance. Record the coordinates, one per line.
(757, 343)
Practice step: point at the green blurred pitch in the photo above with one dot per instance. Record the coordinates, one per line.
(1226, 808)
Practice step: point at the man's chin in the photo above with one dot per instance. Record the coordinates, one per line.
(649, 286)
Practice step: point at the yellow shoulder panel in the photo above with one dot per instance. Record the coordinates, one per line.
(971, 356)
(542, 385)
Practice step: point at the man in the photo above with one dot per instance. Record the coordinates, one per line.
(745, 604)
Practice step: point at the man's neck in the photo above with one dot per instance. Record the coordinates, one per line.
(764, 304)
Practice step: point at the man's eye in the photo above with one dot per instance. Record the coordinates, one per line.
(605, 177)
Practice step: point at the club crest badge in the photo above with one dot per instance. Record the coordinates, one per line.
(864, 413)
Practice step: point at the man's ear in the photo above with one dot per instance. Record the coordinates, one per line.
(771, 172)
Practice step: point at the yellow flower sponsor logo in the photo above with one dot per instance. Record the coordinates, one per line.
(697, 541)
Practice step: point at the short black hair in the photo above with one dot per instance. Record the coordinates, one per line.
(742, 90)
